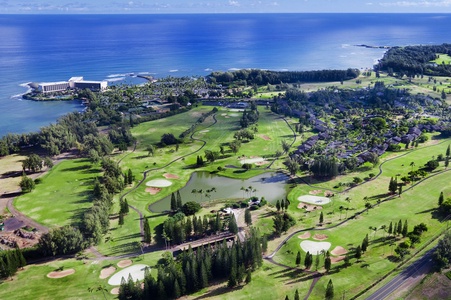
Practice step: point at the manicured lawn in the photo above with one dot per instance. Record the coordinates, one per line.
(32, 282)
(63, 195)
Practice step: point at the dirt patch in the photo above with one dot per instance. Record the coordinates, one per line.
(262, 163)
(107, 272)
(153, 190)
(304, 236)
(124, 263)
(309, 207)
(60, 274)
(320, 237)
(334, 260)
(115, 291)
(339, 250)
(170, 176)
(315, 192)
(265, 137)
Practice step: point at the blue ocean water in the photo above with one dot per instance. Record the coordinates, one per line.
(37, 48)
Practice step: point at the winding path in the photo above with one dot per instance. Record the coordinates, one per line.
(146, 172)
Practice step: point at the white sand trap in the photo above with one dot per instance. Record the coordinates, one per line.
(315, 247)
(158, 183)
(115, 291)
(136, 271)
(234, 115)
(314, 199)
(252, 160)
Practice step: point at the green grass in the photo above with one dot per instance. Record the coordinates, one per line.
(33, 283)
(63, 195)
(443, 59)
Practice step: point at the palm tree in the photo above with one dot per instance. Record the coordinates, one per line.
(243, 189)
(412, 164)
(384, 228)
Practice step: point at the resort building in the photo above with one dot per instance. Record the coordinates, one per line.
(72, 83)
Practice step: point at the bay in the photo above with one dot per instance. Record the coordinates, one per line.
(38, 48)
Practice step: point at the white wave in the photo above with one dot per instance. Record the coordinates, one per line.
(173, 71)
(345, 45)
(25, 85)
(208, 70)
(116, 75)
(115, 79)
(234, 69)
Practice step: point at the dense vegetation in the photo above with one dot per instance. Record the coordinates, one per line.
(263, 77)
(415, 60)
(193, 270)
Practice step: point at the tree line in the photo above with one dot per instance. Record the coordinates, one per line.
(193, 270)
(263, 77)
(415, 60)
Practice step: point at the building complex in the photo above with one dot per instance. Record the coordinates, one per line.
(72, 83)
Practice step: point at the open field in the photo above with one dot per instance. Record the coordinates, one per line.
(62, 196)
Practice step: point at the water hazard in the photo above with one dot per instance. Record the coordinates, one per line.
(204, 186)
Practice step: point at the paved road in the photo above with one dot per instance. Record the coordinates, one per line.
(419, 268)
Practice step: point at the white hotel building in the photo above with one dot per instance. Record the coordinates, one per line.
(73, 83)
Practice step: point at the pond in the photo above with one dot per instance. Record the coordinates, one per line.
(203, 186)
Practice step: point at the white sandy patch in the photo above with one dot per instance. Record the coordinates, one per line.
(136, 271)
(158, 183)
(236, 109)
(204, 131)
(314, 199)
(115, 291)
(234, 115)
(252, 160)
(315, 247)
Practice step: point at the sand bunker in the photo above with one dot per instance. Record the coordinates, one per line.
(170, 176)
(304, 236)
(252, 160)
(124, 263)
(60, 274)
(309, 207)
(315, 247)
(158, 183)
(334, 260)
(137, 272)
(320, 237)
(262, 163)
(328, 194)
(115, 291)
(314, 199)
(153, 190)
(204, 131)
(265, 137)
(107, 272)
(339, 250)
(315, 192)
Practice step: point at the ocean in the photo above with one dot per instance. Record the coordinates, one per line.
(40, 48)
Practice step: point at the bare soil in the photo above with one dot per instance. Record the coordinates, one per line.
(320, 237)
(124, 263)
(107, 272)
(339, 250)
(305, 236)
(170, 176)
(308, 207)
(153, 190)
(60, 274)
